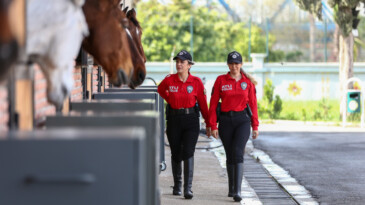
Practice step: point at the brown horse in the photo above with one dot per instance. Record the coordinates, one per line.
(108, 41)
(139, 58)
(9, 47)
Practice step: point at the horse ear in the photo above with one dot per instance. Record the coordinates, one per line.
(125, 9)
(133, 12)
(121, 5)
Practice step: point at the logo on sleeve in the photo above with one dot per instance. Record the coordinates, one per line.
(226, 87)
(243, 85)
(173, 89)
(189, 89)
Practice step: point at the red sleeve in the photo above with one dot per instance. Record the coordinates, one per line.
(163, 89)
(202, 101)
(214, 99)
(253, 105)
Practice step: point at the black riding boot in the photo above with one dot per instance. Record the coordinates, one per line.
(238, 174)
(188, 177)
(176, 172)
(230, 173)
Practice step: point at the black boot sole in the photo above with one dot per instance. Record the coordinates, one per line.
(237, 198)
(188, 196)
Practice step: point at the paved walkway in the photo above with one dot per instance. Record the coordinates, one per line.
(210, 182)
(258, 186)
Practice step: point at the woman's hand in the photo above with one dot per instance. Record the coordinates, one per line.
(255, 134)
(209, 131)
(215, 133)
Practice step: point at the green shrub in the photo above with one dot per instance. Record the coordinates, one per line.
(270, 107)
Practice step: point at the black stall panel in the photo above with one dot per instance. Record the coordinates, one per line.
(74, 166)
(149, 120)
(129, 94)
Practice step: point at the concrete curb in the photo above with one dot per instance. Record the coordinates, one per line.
(289, 184)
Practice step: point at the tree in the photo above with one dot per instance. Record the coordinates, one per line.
(214, 34)
(345, 16)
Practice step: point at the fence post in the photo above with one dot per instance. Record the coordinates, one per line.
(258, 64)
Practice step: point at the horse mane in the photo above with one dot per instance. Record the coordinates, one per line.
(252, 79)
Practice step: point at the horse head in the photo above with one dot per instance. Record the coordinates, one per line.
(108, 41)
(55, 30)
(135, 42)
(9, 47)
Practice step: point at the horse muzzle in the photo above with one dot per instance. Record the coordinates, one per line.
(121, 78)
(138, 81)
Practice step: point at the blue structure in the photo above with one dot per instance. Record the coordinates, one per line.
(232, 13)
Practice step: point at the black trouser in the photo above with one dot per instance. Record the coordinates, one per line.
(234, 132)
(182, 133)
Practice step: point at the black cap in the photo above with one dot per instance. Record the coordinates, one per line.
(234, 57)
(184, 55)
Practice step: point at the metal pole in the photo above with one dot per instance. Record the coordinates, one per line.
(362, 105)
(12, 123)
(344, 108)
(192, 36)
(325, 40)
(249, 38)
(267, 39)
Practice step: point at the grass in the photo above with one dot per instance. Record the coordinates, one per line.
(313, 110)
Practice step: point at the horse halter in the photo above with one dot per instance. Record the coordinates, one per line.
(128, 33)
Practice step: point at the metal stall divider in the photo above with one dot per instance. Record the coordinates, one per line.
(113, 105)
(147, 119)
(74, 166)
(140, 94)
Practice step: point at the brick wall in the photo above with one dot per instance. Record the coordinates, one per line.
(41, 106)
(106, 80)
(76, 93)
(95, 79)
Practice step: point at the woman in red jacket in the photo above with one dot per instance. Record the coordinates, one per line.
(237, 92)
(182, 91)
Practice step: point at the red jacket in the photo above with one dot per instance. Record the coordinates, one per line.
(184, 95)
(235, 96)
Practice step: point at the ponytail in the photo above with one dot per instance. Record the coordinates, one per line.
(252, 79)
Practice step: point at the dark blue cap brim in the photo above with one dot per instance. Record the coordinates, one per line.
(182, 58)
(234, 61)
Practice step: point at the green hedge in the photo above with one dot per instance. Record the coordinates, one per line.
(314, 110)
(321, 110)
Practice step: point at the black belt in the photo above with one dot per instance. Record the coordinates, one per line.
(182, 111)
(233, 113)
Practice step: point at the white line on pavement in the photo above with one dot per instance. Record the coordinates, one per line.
(290, 184)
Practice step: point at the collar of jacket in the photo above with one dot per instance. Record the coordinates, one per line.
(189, 80)
(228, 76)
